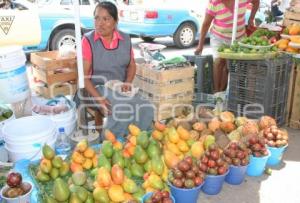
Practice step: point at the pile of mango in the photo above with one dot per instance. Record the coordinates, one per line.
(51, 166)
(294, 32)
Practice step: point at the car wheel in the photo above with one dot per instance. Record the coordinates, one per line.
(148, 39)
(185, 35)
(62, 38)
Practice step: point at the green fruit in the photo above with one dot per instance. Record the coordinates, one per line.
(190, 142)
(73, 188)
(157, 165)
(42, 177)
(148, 166)
(90, 199)
(268, 171)
(2, 118)
(49, 200)
(103, 162)
(107, 148)
(129, 186)
(188, 183)
(153, 150)
(139, 194)
(48, 152)
(142, 139)
(57, 161)
(94, 172)
(54, 173)
(7, 114)
(140, 155)
(82, 193)
(127, 173)
(126, 162)
(79, 178)
(61, 191)
(137, 170)
(89, 184)
(74, 198)
(117, 158)
(209, 140)
(100, 195)
(156, 182)
(64, 169)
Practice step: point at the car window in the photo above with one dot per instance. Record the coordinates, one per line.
(66, 2)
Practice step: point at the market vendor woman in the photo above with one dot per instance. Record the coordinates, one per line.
(108, 55)
(220, 13)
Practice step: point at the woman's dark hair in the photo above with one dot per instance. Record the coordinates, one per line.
(110, 7)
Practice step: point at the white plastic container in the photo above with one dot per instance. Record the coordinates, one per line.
(67, 120)
(13, 78)
(32, 153)
(21, 199)
(28, 128)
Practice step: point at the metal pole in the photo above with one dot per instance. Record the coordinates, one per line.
(235, 18)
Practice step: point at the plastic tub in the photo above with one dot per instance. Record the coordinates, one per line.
(148, 195)
(257, 165)
(276, 155)
(236, 175)
(24, 146)
(33, 153)
(185, 195)
(28, 128)
(13, 71)
(213, 184)
(21, 199)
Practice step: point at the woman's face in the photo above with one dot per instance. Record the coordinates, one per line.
(104, 22)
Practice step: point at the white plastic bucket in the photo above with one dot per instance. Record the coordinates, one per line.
(13, 78)
(32, 153)
(28, 129)
(21, 199)
(67, 120)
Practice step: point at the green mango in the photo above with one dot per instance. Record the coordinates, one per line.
(143, 139)
(157, 165)
(79, 178)
(49, 200)
(138, 195)
(153, 150)
(140, 155)
(107, 148)
(127, 173)
(57, 162)
(82, 193)
(90, 199)
(100, 195)
(48, 152)
(7, 114)
(54, 173)
(61, 191)
(148, 166)
(104, 162)
(156, 182)
(137, 170)
(42, 177)
(74, 198)
(129, 186)
(126, 162)
(117, 158)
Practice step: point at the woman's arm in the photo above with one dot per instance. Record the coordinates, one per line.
(255, 7)
(131, 69)
(204, 29)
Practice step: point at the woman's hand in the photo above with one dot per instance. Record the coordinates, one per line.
(198, 50)
(126, 87)
(105, 106)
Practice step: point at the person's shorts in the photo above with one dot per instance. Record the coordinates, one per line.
(215, 43)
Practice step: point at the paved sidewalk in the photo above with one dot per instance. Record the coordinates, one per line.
(281, 187)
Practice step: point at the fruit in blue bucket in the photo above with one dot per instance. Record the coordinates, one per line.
(257, 146)
(186, 174)
(275, 137)
(160, 196)
(237, 154)
(212, 162)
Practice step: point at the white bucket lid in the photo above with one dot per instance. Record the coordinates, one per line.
(28, 128)
(12, 56)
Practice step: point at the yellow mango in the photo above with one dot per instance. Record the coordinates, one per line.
(183, 133)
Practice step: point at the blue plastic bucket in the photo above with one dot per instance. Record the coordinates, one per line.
(257, 165)
(149, 194)
(236, 175)
(276, 155)
(183, 195)
(213, 183)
